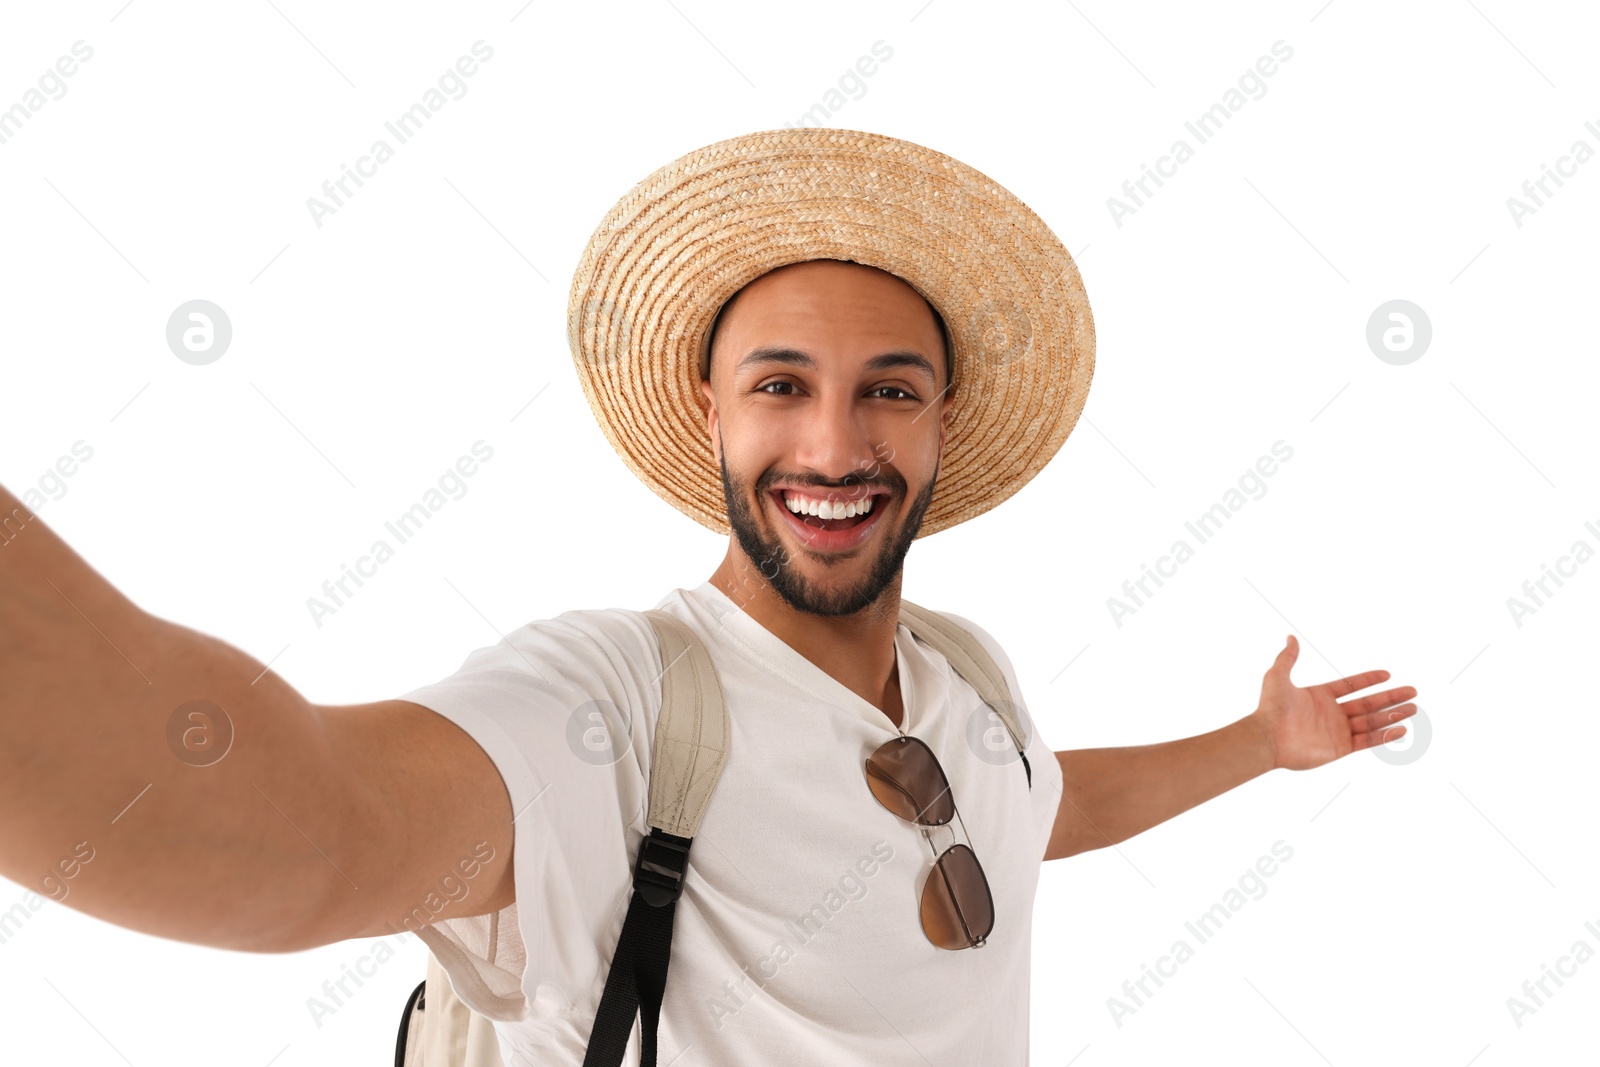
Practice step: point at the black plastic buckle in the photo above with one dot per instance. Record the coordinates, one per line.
(658, 874)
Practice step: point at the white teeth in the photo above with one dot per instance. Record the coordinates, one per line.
(826, 509)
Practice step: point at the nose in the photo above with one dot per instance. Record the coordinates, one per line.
(837, 443)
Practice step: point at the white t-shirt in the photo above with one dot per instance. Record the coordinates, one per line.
(797, 938)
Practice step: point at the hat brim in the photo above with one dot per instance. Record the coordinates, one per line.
(682, 241)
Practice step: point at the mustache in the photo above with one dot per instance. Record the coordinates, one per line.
(771, 481)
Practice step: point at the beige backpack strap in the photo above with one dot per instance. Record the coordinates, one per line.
(691, 738)
(973, 662)
(454, 1034)
(688, 750)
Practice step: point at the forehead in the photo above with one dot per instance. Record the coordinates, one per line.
(828, 305)
(829, 277)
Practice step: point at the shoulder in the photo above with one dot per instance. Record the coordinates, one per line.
(597, 627)
(584, 683)
(989, 645)
(616, 638)
(581, 650)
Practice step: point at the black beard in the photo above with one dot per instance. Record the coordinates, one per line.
(771, 558)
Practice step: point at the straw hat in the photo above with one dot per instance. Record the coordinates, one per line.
(685, 239)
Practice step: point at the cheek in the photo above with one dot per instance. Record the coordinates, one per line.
(750, 448)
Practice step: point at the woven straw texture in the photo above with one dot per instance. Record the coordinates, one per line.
(686, 238)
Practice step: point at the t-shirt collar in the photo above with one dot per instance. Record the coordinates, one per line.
(773, 653)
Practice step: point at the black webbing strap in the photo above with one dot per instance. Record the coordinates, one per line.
(414, 1003)
(638, 975)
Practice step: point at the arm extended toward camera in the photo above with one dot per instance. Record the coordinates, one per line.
(163, 780)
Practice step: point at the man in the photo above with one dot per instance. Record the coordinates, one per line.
(840, 412)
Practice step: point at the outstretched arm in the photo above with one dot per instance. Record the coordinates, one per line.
(306, 825)
(1111, 794)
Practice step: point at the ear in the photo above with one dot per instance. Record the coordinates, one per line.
(711, 419)
(945, 407)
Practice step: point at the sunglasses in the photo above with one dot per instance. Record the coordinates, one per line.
(957, 909)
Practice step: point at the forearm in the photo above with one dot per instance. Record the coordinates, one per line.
(1111, 794)
(176, 846)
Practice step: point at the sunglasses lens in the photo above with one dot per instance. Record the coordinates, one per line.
(957, 910)
(907, 779)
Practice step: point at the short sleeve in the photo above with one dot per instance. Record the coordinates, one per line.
(564, 708)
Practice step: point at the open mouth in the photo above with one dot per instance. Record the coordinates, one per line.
(830, 518)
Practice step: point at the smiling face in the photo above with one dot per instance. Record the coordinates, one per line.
(829, 399)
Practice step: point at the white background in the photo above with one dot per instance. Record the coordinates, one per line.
(1231, 310)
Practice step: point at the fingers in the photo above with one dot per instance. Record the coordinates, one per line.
(1376, 737)
(1378, 701)
(1377, 721)
(1349, 684)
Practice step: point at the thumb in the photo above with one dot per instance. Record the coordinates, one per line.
(1286, 658)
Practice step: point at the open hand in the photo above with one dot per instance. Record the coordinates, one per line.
(1307, 727)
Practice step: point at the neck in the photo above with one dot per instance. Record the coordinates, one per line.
(856, 650)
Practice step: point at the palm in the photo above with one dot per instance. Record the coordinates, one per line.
(1307, 726)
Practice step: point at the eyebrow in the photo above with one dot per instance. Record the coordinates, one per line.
(793, 357)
